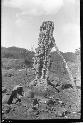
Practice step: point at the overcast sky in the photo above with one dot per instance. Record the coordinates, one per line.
(21, 20)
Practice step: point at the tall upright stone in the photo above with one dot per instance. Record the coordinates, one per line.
(42, 56)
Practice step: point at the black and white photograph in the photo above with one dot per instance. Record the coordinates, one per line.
(40, 60)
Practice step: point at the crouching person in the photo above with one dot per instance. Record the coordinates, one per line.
(16, 95)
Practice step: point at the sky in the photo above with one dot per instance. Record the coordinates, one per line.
(21, 21)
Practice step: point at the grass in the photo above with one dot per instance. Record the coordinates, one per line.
(70, 105)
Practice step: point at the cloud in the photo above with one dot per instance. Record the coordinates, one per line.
(19, 22)
(35, 7)
(71, 34)
(52, 7)
(72, 28)
(71, 1)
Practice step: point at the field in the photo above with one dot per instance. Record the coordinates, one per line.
(64, 104)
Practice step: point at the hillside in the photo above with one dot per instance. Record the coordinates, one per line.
(69, 56)
(21, 53)
(17, 58)
(16, 53)
(14, 57)
(64, 104)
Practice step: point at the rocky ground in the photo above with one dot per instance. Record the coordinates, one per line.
(38, 103)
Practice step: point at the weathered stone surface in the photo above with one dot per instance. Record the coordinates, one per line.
(42, 56)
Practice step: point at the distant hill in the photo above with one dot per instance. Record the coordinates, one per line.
(69, 56)
(26, 57)
(16, 53)
(21, 53)
(16, 57)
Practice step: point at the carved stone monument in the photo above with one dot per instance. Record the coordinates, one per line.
(42, 57)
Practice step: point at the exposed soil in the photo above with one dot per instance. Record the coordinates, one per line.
(37, 102)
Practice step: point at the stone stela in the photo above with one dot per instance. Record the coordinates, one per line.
(42, 56)
(41, 64)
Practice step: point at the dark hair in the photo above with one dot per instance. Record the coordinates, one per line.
(20, 90)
